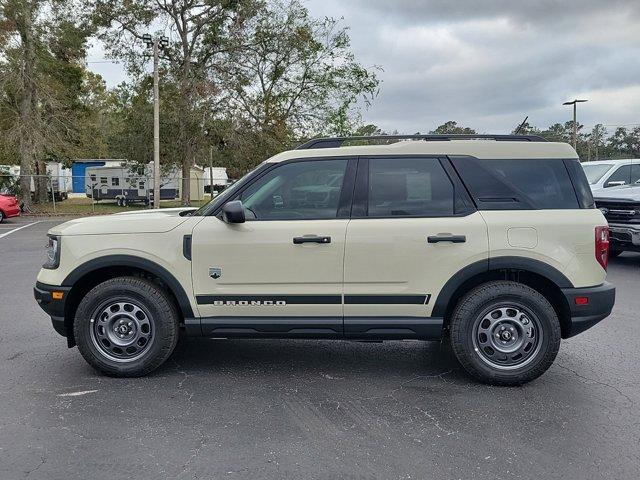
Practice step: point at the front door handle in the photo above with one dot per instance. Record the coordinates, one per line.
(311, 239)
(446, 237)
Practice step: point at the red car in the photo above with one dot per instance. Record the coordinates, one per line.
(9, 207)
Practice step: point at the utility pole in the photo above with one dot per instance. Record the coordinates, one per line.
(211, 171)
(575, 123)
(156, 44)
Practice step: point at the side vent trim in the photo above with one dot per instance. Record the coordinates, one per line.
(186, 247)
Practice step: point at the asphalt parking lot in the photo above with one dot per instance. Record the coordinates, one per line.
(309, 409)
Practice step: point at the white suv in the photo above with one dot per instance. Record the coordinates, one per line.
(492, 242)
(604, 174)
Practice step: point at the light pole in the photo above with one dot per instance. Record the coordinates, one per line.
(156, 44)
(575, 123)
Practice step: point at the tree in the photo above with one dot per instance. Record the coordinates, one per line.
(625, 143)
(199, 34)
(451, 127)
(41, 74)
(295, 78)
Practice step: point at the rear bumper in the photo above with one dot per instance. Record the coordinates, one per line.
(601, 299)
(53, 307)
(10, 212)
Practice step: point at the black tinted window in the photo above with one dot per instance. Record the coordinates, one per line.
(580, 183)
(627, 174)
(297, 191)
(409, 187)
(517, 184)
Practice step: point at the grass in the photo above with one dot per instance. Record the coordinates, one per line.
(85, 206)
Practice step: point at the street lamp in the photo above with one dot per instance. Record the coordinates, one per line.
(157, 44)
(575, 124)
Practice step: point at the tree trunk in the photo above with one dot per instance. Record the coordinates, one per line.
(28, 103)
(41, 182)
(185, 134)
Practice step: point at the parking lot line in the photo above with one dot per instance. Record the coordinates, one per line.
(16, 229)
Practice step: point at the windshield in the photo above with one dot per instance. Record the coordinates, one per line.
(596, 172)
(228, 192)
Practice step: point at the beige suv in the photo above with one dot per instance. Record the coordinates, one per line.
(491, 242)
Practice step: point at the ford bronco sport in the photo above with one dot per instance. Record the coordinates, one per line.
(491, 242)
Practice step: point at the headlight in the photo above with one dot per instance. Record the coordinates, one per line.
(53, 253)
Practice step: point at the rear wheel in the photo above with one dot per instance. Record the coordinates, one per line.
(1, 216)
(126, 326)
(505, 333)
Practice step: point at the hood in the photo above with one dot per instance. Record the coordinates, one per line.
(140, 221)
(623, 192)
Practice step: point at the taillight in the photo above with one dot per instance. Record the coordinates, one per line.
(602, 246)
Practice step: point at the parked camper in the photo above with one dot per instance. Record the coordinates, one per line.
(57, 177)
(215, 177)
(124, 185)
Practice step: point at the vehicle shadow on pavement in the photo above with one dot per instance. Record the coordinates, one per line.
(314, 357)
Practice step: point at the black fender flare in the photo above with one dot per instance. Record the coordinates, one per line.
(134, 262)
(492, 264)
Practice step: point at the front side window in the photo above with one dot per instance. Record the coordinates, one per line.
(103, 181)
(409, 187)
(304, 190)
(627, 174)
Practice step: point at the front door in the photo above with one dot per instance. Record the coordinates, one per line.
(280, 273)
(413, 227)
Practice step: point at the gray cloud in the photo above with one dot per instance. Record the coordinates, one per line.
(488, 64)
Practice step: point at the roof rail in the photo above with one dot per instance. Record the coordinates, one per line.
(335, 142)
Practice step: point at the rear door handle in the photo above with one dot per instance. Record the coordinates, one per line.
(311, 239)
(446, 238)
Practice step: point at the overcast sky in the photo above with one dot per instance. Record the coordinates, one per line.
(488, 63)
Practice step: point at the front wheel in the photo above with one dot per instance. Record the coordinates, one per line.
(1, 216)
(126, 326)
(505, 333)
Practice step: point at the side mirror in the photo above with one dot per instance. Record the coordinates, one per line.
(233, 212)
(615, 183)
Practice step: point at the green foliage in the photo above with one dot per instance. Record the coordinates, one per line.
(451, 127)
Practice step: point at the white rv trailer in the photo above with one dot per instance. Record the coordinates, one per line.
(58, 177)
(125, 185)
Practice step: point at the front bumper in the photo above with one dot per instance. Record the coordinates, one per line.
(624, 236)
(600, 303)
(55, 308)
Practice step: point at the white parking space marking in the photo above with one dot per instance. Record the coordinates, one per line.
(77, 394)
(16, 229)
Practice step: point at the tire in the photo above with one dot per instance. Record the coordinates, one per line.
(614, 253)
(126, 327)
(1, 216)
(492, 320)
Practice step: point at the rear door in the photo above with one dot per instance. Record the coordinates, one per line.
(413, 227)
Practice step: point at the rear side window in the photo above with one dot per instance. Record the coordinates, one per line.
(517, 184)
(409, 187)
(580, 183)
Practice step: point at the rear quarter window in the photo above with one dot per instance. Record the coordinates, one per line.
(521, 184)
